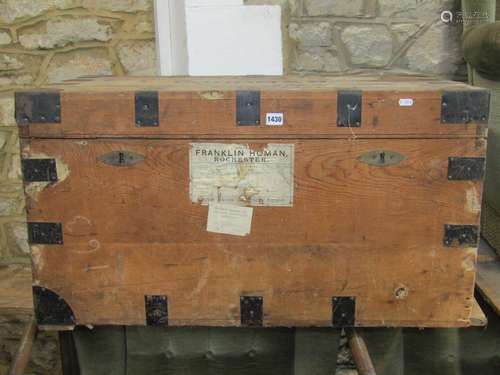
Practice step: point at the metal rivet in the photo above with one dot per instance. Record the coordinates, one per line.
(209, 355)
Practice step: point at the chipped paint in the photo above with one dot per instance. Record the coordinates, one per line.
(469, 260)
(37, 260)
(473, 201)
(238, 174)
(212, 95)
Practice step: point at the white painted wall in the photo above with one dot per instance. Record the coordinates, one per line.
(218, 37)
(211, 3)
(234, 40)
(171, 38)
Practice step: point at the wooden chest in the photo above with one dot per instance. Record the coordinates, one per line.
(295, 201)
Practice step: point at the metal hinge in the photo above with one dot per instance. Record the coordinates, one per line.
(251, 311)
(461, 235)
(39, 170)
(466, 169)
(349, 109)
(343, 311)
(45, 233)
(462, 107)
(248, 107)
(156, 310)
(38, 107)
(146, 108)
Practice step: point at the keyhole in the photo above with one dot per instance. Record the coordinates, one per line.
(121, 158)
(382, 157)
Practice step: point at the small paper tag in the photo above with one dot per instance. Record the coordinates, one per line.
(405, 102)
(275, 119)
(229, 219)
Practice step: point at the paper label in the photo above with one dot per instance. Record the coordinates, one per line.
(275, 119)
(228, 219)
(238, 174)
(405, 102)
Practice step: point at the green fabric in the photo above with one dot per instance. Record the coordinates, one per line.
(431, 352)
(210, 351)
(385, 346)
(316, 351)
(490, 226)
(491, 207)
(206, 351)
(465, 351)
(101, 350)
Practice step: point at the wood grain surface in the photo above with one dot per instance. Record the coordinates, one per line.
(354, 230)
(210, 114)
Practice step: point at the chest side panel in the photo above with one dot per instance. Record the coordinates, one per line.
(379, 220)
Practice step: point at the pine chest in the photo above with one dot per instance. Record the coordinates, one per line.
(294, 201)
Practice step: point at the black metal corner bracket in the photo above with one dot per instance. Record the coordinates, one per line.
(45, 233)
(462, 107)
(466, 169)
(343, 311)
(247, 108)
(37, 107)
(349, 109)
(50, 308)
(156, 310)
(39, 170)
(146, 108)
(251, 308)
(461, 235)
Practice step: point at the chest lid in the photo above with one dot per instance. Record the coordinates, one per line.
(254, 107)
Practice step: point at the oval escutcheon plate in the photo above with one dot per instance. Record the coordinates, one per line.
(121, 158)
(382, 158)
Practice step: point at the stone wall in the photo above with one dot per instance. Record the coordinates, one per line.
(356, 35)
(45, 359)
(48, 41)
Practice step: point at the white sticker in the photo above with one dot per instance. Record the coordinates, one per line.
(241, 175)
(275, 119)
(405, 102)
(228, 219)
